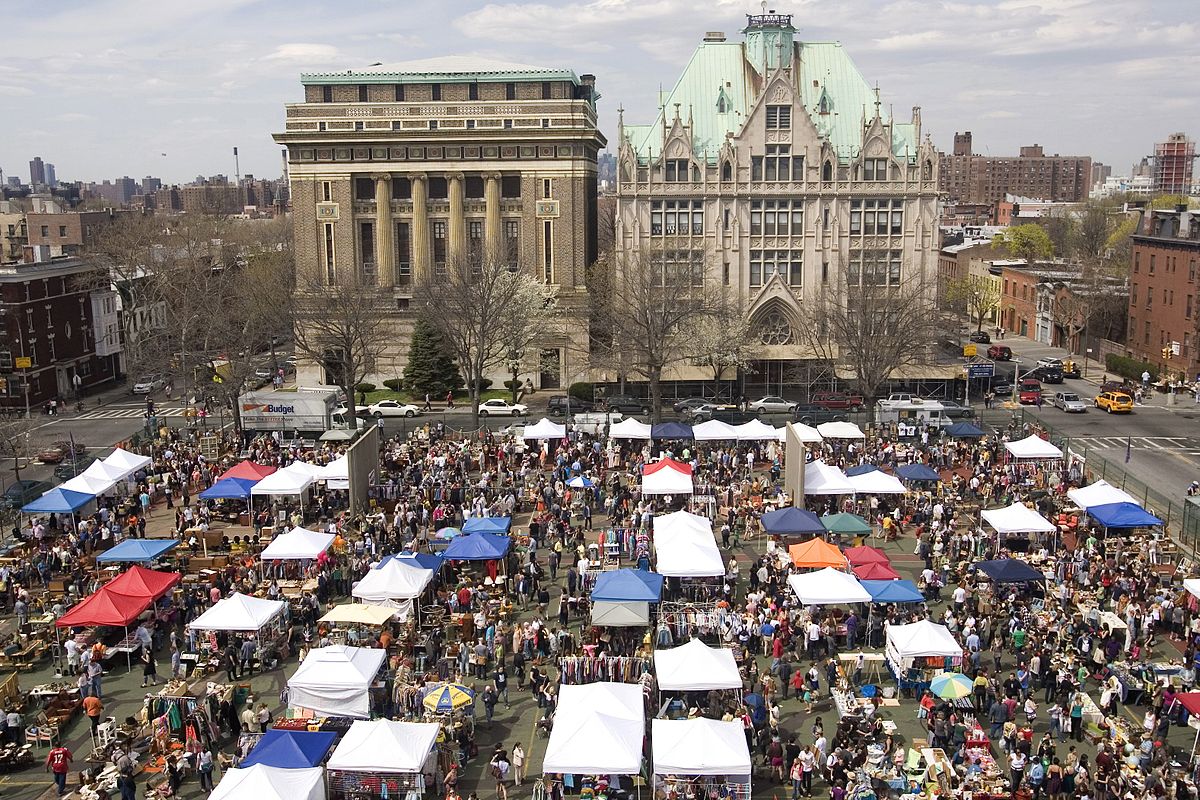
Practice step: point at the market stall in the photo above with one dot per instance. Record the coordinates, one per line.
(670, 430)
(298, 544)
(694, 667)
(685, 546)
(714, 430)
(805, 433)
(840, 430)
(821, 478)
(667, 476)
(544, 429)
(622, 598)
(58, 501)
(918, 473)
(265, 620)
(384, 758)
(1010, 570)
(792, 521)
(1098, 494)
(1123, 516)
(598, 730)
(817, 553)
(1032, 448)
(965, 430)
(500, 526)
(700, 758)
(875, 571)
(338, 681)
(1016, 520)
(827, 586)
(292, 480)
(893, 591)
(846, 525)
(917, 651)
(229, 489)
(291, 749)
(260, 782)
(248, 469)
(629, 429)
(137, 551)
(126, 462)
(876, 482)
(755, 431)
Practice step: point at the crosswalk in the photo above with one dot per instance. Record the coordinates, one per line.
(129, 413)
(1177, 444)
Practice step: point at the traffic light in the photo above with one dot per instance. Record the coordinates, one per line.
(1166, 354)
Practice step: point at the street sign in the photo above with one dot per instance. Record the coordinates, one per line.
(23, 362)
(970, 351)
(981, 370)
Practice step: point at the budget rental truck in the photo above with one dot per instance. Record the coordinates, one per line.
(291, 412)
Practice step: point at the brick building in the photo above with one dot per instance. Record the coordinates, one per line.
(397, 170)
(50, 317)
(1173, 165)
(967, 177)
(67, 233)
(212, 199)
(1164, 298)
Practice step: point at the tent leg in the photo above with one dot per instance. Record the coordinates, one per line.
(128, 655)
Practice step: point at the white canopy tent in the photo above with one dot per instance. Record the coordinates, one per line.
(828, 587)
(338, 469)
(714, 430)
(620, 613)
(1100, 493)
(1017, 518)
(239, 612)
(876, 482)
(126, 461)
(298, 544)
(385, 746)
(820, 478)
(334, 681)
(924, 639)
(699, 746)
(685, 546)
(358, 614)
(629, 428)
(598, 730)
(667, 477)
(1032, 447)
(260, 782)
(806, 433)
(395, 580)
(103, 472)
(840, 430)
(88, 485)
(755, 431)
(1193, 586)
(545, 429)
(696, 667)
(292, 479)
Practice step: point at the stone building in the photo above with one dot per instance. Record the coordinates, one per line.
(775, 169)
(397, 170)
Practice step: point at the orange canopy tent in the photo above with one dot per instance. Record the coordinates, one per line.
(817, 553)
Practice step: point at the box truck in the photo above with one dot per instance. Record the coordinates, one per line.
(293, 412)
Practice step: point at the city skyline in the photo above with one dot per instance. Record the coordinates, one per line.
(115, 98)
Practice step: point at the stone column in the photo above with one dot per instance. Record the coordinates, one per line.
(385, 248)
(457, 234)
(420, 228)
(493, 225)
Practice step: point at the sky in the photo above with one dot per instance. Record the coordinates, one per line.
(106, 88)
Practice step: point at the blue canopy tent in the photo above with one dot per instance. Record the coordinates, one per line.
(792, 521)
(893, 591)
(917, 472)
(861, 469)
(1009, 570)
(965, 430)
(422, 560)
(1123, 515)
(628, 585)
(58, 501)
(670, 430)
(477, 547)
(137, 550)
(229, 489)
(291, 749)
(487, 525)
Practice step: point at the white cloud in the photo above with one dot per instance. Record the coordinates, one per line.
(15, 91)
(305, 53)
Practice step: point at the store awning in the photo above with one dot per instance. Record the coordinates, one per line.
(477, 547)
(298, 544)
(229, 489)
(58, 501)
(261, 782)
(239, 612)
(1123, 515)
(628, 584)
(291, 749)
(140, 550)
(792, 521)
(385, 746)
(699, 746)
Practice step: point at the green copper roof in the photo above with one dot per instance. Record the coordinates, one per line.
(443, 69)
(719, 75)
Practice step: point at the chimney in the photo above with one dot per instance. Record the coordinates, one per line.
(714, 36)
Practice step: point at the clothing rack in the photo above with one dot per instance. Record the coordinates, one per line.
(593, 669)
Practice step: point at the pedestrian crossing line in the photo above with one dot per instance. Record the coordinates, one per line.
(129, 413)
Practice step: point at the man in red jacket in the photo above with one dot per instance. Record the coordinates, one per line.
(58, 761)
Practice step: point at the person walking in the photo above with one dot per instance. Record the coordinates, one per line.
(93, 708)
(499, 767)
(204, 768)
(58, 762)
(149, 667)
(518, 763)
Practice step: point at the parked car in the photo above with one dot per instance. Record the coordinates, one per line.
(1114, 402)
(1049, 362)
(980, 337)
(838, 401)
(57, 452)
(148, 384)
(561, 404)
(1029, 391)
(1000, 352)
(1049, 374)
(710, 410)
(953, 408)
(264, 373)
(1116, 386)
(732, 415)
(772, 404)
(1002, 386)
(72, 467)
(498, 407)
(815, 415)
(1069, 402)
(24, 491)
(392, 408)
(627, 405)
(688, 406)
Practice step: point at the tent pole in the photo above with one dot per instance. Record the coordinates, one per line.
(128, 654)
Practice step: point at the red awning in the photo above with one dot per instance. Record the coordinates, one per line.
(141, 582)
(1190, 701)
(104, 608)
(249, 470)
(874, 571)
(866, 555)
(678, 466)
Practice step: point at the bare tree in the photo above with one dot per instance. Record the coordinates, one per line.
(978, 297)
(15, 441)
(1070, 311)
(873, 330)
(484, 310)
(723, 341)
(647, 311)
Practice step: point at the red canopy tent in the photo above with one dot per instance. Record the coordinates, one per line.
(105, 607)
(249, 470)
(141, 582)
(678, 466)
(874, 571)
(866, 555)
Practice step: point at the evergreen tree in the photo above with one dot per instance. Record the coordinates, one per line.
(430, 368)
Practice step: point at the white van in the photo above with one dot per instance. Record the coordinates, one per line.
(913, 412)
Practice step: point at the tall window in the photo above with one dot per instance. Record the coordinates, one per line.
(399, 89)
(676, 217)
(330, 272)
(874, 268)
(877, 217)
(403, 254)
(435, 90)
(512, 241)
(875, 169)
(678, 268)
(364, 189)
(779, 118)
(362, 94)
(510, 91)
(439, 246)
(776, 218)
(326, 94)
(472, 91)
(678, 170)
(548, 251)
(788, 263)
(366, 250)
(777, 165)
(475, 238)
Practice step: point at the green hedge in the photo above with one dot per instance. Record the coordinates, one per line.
(365, 388)
(1130, 368)
(514, 386)
(582, 390)
(395, 384)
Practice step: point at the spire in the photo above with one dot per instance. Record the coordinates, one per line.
(877, 101)
(620, 122)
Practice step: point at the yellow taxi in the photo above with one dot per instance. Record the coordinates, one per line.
(1114, 402)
